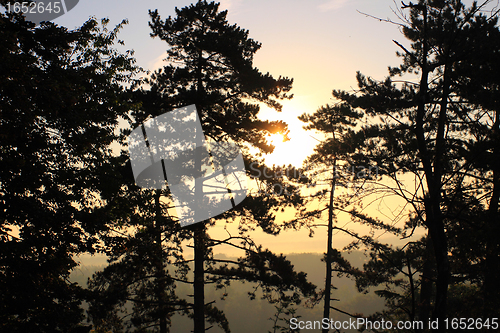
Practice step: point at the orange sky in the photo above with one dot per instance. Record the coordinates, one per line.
(320, 44)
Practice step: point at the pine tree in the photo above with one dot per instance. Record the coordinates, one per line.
(337, 122)
(209, 64)
(433, 129)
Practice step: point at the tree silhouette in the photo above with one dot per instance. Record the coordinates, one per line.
(61, 93)
(431, 129)
(211, 67)
(337, 122)
(209, 64)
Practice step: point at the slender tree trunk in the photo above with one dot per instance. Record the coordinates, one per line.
(413, 291)
(328, 279)
(426, 284)
(199, 278)
(199, 252)
(443, 270)
(432, 202)
(160, 271)
(437, 229)
(199, 228)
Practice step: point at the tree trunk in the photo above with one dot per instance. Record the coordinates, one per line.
(328, 279)
(426, 284)
(437, 229)
(160, 271)
(199, 278)
(432, 202)
(199, 252)
(199, 228)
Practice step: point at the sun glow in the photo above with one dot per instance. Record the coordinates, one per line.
(294, 144)
(277, 139)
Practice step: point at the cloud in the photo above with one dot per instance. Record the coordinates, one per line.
(230, 5)
(331, 5)
(158, 62)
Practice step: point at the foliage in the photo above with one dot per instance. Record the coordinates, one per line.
(439, 130)
(61, 93)
(435, 120)
(209, 64)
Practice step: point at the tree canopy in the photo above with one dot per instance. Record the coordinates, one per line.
(61, 94)
(432, 118)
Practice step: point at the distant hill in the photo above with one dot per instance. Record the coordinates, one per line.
(253, 316)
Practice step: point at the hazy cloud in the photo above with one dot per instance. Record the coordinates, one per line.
(331, 5)
(230, 5)
(158, 62)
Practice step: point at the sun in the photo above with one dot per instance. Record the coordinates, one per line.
(293, 144)
(277, 139)
(281, 143)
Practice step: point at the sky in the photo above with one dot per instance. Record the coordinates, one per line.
(319, 43)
